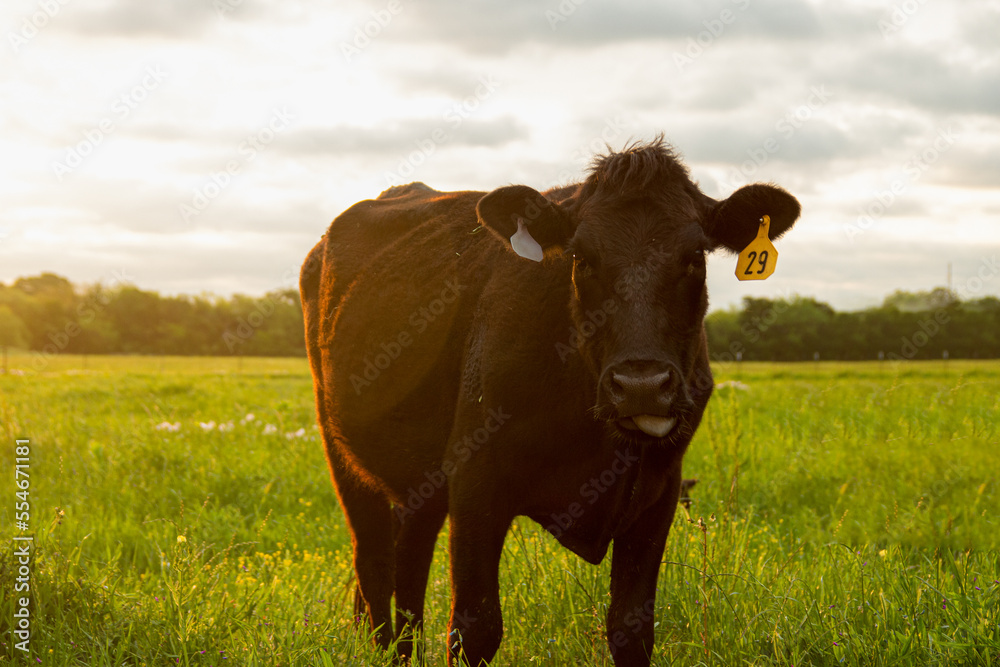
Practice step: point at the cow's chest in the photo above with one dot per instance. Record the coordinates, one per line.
(586, 510)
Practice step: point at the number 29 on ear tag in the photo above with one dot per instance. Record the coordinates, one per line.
(757, 260)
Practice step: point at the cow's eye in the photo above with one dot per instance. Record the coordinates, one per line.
(581, 267)
(696, 264)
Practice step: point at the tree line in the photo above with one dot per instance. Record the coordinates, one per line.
(908, 325)
(48, 315)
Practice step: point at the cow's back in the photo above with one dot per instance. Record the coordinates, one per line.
(389, 294)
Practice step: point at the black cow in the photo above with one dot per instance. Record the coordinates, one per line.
(456, 378)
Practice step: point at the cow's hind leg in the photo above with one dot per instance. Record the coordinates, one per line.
(367, 511)
(415, 539)
(370, 520)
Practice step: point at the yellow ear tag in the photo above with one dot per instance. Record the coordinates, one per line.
(757, 260)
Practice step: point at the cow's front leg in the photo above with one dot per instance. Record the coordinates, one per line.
(635, 566)
(476, 627)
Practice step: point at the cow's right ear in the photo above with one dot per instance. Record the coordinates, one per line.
(525, 219)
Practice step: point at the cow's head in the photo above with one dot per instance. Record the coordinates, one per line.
(638, 230)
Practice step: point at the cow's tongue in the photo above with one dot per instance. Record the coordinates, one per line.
(653, 425)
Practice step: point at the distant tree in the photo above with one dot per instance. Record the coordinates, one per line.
(785, 329)
(96, 334)
(723, 330)
(47, 286)
(13, 332)
(135, 315)
(45, 306)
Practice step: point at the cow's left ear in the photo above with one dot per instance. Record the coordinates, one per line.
(733, 222)
(525, 219)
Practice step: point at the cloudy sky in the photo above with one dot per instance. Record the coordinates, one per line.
(201, 146)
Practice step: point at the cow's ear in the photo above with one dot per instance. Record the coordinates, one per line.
(525, 220)
(733, 222)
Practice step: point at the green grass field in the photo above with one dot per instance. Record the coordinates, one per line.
(183, 514)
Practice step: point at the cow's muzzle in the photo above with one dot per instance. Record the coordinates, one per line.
(643, 395)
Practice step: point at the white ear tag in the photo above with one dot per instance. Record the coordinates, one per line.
(524, 245)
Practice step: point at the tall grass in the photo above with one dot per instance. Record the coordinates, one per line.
(845, 514)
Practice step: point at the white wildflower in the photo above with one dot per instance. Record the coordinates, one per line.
(167, 426)
(735, 384)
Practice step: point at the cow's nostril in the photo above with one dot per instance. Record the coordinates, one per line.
(634, 389)
(663, 382)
